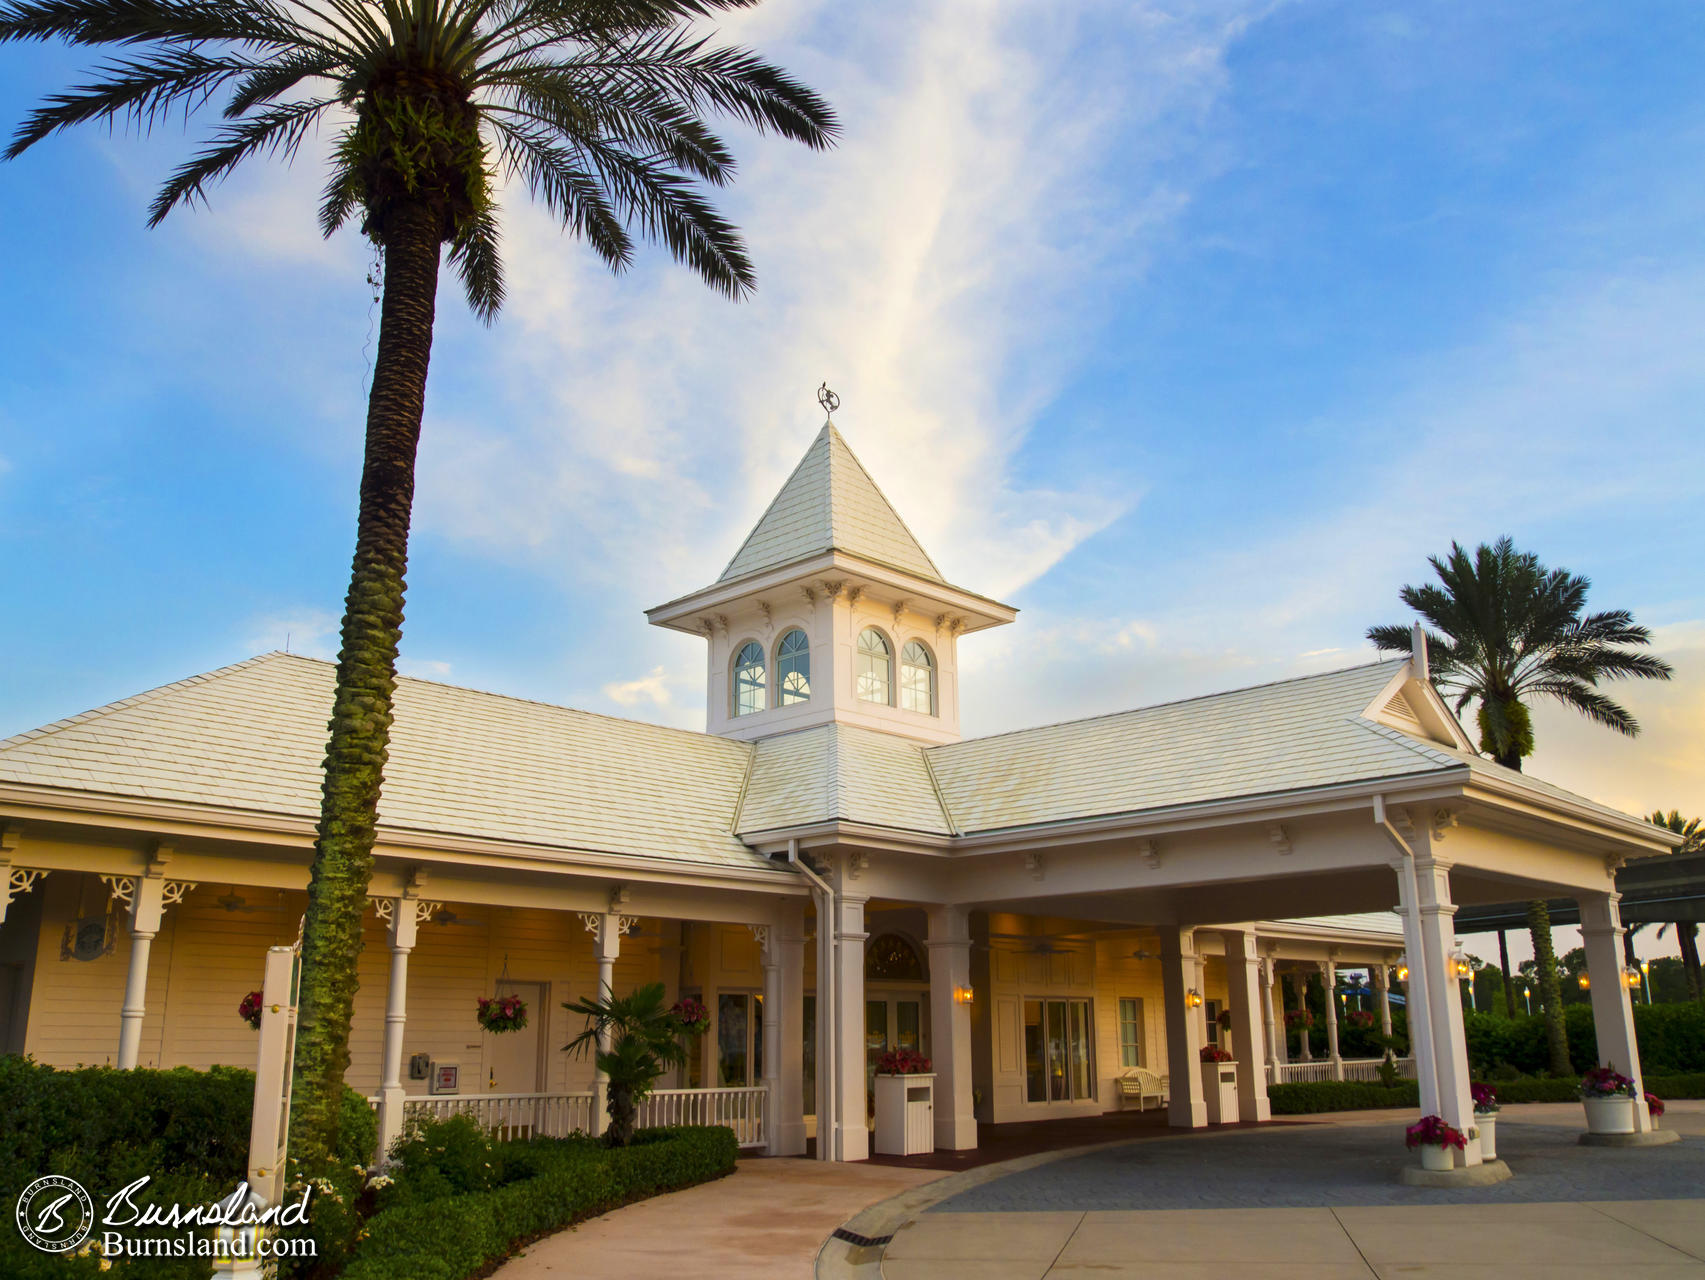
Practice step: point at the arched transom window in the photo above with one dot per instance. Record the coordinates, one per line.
(917, 679)
(793, 668)
(891, 958)
(749, 687)
(875, 667)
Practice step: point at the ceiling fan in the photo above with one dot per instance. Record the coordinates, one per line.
(447, 917)
(231, 900)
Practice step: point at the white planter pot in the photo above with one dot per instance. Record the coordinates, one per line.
(1219, 1092)
(1609, 1115)
(1487, 1123)
(1438, 1159)
(905, 1115)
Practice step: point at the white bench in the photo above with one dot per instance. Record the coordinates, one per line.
(1141, 1084)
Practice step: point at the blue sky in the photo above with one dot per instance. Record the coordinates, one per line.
(1190, 329)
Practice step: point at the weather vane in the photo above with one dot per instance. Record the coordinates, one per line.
(829, 400)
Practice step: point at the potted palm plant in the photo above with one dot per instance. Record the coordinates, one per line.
(1486, 1118)
(1437, 1140)
(1608, 1099)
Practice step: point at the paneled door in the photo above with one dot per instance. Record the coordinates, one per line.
(514, 1059)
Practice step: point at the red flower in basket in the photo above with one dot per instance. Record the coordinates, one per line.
(1213, 1053)
(1654, 1105)
(498, 1014)
(903, 1062)
(249, 1010)
(691, 1013)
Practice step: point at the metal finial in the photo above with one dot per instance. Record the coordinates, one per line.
(829, 400)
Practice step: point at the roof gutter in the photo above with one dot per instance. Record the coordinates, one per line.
(828, 1023)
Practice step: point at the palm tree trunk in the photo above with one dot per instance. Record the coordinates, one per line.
(1504, 968)
(360, 726)
(1550, 990)
(1687, 934)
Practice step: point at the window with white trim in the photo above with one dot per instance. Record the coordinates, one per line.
(749, 684)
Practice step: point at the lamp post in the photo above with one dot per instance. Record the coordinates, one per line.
(1527, 998)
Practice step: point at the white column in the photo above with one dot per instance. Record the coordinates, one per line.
(1187, 1108)
(1274, 1040)
(1444, 1002)
(1281, 1045)
(1299, 984)
(787, 1075)
(1329, 979)
(1243, 982)
(950, 1026)
(1416, 1006)
(606, 930)
(148, 895)
(1382, 985)
(1613, 1015)
(852, 1136)
(404, 931)
(769, 952)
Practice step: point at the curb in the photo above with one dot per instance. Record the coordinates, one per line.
(1652, 1138)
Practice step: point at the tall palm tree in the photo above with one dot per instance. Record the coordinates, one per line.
(596, 107)
(1692, 833)
(1506, 630)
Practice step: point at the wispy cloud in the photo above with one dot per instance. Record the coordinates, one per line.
(310, 632)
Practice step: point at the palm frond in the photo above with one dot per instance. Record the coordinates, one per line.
(276, 129)
(475, 257)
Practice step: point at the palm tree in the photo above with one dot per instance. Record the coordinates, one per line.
(1504, 631)
(595, 107)
(644, 1039)
(1692, 833)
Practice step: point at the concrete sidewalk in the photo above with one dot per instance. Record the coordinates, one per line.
(766, 1219)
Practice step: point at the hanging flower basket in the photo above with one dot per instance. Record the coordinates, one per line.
(691, 1013)
(903, 1062)
(249, 1011)
(498, 1014)
(1225, 1019)
(1360, 1018)
(1295, 1018)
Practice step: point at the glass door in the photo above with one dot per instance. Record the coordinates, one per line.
(1059, 1048)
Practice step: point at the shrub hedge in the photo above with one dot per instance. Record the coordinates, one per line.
(1671, 1037)
(1349, 1095)
(457, 1235)
(188, 1131)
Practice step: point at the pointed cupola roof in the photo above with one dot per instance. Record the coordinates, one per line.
(830, 503)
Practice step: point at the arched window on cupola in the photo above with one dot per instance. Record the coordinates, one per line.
(875, 667)
(749, 685)
(793, 669)
(917, 679)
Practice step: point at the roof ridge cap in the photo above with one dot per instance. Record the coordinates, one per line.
(147, 695)
(1172, 702)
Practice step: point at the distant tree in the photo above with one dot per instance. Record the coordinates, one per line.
(598, 108)
(1505, 630)
(1692, 832)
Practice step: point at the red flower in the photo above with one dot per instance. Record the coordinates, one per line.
(903, 1062)
(250, 1009)
(1432, 1131)
(1654, 1105)
(1213, 1053)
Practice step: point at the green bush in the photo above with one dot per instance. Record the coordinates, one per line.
(1339, 1095)
(458, 1235)
(1671, 1037)
(188, 1131)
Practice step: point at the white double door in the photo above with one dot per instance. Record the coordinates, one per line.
(893, 1019)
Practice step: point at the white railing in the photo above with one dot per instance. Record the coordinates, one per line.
(1365, 1070)
(508, 1116)
(557, 1115)
(743, 1110)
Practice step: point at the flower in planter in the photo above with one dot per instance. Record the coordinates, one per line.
(498, 1014)
(1606, 1082)
(1654, 1105)
(249, 1010)
(1213, 1053)
(1432, 1131)
(1485, 1098)
(691, 1013)
(903, 1062)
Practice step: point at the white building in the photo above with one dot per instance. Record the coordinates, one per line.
(831, 868)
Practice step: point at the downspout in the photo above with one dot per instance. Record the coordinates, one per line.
(1420, 1027)
(828, 1024)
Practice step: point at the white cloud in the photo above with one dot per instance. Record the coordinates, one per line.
(424, 668)
(647, 421)
(652, 689)
(311, 632)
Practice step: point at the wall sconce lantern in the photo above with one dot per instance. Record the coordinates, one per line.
(1192, 999)
(1586, 982)
(1631, 978)
(1403, 973)
(963, 995)
(1464, 969)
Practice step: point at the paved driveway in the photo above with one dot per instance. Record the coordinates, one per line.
(1322, 1202)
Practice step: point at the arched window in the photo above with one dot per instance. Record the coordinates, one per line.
(749, 688)
(917, 679)
(875, 667)
(890, 958)
(793, 669)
